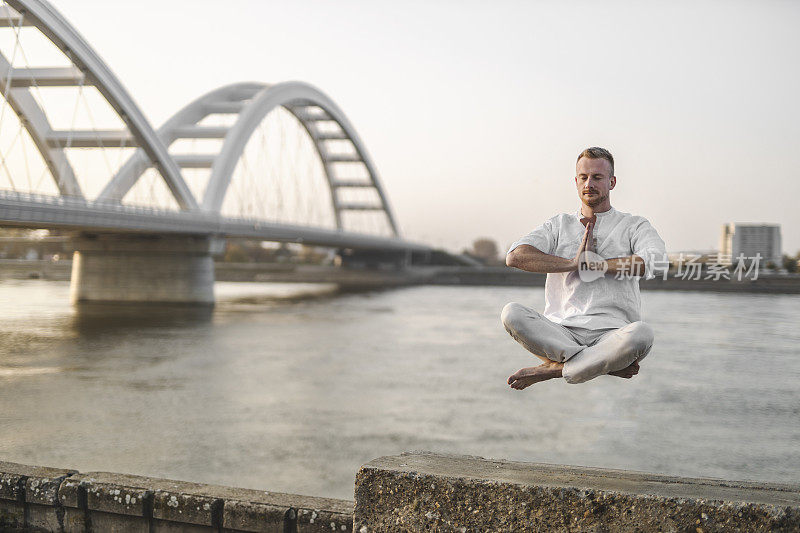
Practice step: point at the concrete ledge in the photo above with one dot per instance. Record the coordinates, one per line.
(409, 492)
(47, 499)
(424, 491)
(246, 509)
(28, 496)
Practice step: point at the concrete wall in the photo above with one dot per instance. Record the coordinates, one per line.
(409, 492)
(430, 492)
(51, 499)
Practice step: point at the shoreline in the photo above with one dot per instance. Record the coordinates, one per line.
(438, 276)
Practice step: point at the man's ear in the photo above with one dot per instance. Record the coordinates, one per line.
(613, 182)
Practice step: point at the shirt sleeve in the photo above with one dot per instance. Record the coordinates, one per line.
(647, 244)
(542, 238)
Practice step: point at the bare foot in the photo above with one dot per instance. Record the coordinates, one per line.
(525, 377)
(627, 372)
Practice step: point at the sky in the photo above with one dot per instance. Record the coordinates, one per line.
(474, 112)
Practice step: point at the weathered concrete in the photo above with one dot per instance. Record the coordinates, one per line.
(44, 499)
(28, 496)
(246, 510)
(409, 492)
(144, 269)
(423, 491)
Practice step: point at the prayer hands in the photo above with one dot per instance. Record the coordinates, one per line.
(587, 244)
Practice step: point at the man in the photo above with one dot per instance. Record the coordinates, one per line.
(591, 323)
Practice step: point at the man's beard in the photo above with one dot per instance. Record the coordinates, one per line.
(592, 201)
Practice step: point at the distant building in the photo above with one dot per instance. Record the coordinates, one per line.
(752, 239)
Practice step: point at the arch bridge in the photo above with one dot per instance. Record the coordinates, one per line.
(274, 162)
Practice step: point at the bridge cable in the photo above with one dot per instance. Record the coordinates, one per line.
(35, 84)
(17, 45)
(3, 159)
(11, 63)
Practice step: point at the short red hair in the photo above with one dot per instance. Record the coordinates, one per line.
(596, 152)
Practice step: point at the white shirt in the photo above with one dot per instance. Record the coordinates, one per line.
(606, 302)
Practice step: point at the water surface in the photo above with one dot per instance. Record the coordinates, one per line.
(282, 390)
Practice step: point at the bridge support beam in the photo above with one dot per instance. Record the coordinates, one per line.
(119, 268)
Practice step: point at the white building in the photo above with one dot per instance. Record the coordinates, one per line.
(752, 239)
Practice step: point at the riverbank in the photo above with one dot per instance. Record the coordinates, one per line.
(509, 277)
(766, 283)
(408, 492)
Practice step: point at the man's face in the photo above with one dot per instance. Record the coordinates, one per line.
(594, 180)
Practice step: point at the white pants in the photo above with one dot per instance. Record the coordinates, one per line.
(586, 353)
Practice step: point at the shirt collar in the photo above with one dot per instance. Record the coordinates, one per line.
(599, 215)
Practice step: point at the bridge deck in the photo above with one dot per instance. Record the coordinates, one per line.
(40, 211)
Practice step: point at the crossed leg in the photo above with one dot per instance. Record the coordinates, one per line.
(544, 339)
(553, 344)
(616, 350)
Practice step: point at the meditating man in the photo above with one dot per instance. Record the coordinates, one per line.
(593, 258)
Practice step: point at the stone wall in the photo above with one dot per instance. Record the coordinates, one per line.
(409, 492)
(430, 492)
(51, 499)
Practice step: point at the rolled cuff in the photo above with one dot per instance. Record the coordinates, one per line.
(568, 372)
(539, 242)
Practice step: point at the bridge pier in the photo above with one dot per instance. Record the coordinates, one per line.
(128, 268)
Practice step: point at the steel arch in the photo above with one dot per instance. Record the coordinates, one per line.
(22, 102)
(89, 68)
(252, 102)
(291, 95)
(223, 98)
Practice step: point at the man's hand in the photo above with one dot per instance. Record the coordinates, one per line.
(586, 243)
(592, 242)
(531, 259)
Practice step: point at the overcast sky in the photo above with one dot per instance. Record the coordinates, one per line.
(474, 112)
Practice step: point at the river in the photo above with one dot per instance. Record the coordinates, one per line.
(292, 387)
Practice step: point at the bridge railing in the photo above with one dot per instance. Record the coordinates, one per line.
(36, 210)
(110, 205)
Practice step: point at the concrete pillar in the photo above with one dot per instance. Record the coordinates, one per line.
(144, 269)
